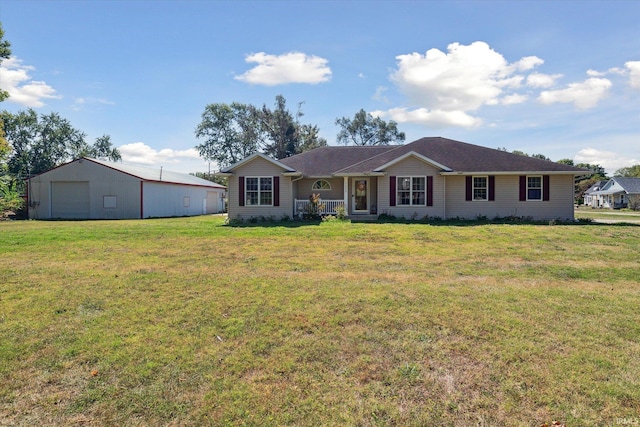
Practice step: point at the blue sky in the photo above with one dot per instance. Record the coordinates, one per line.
(559, 78)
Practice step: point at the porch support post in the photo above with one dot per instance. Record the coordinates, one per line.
(346, 194)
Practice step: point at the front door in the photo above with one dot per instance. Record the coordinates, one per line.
(361, 195)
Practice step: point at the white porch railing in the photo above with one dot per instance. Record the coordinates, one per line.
(328, 207)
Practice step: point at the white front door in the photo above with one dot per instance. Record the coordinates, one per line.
(361, 195)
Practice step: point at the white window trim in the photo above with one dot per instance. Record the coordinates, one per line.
(473, 188)
(411, 190)
(313, 186)
(541, 188)
(259, 191)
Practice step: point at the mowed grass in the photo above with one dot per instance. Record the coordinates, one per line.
(187, 321)
(617, 215)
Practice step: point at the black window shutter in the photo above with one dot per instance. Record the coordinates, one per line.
(392, 191)
(492, 188)
(469, 188)
(523, 188)
(429, 191)
(545, 188)
(276, 191)
(241, 191)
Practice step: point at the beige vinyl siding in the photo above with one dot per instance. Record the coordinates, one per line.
(412, 166)
(302, 188)
(507, 203)
(260, 167)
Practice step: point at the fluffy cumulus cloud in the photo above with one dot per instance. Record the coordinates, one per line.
(292, 67)
(448, 86)
(634, 73)
(583, 95)
(431, 118)
(15, 78)
(185, 161)
(539, 80)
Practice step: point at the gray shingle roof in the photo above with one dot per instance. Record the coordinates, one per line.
(325, 161)
(629, 185)
(455, 155)
(156, 174)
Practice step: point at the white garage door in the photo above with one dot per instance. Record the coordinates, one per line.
(70, 200)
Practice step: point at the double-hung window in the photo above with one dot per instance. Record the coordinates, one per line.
(259, 191)
(534, 188)
(411, 190)
(480, 188)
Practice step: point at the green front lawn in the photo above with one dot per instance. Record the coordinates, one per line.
(187, 321)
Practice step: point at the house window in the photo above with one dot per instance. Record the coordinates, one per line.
(186, 201)
(110, 202)
(480, 188)
(411, 190)
(534, 188)
(321, 184)
(259, 191)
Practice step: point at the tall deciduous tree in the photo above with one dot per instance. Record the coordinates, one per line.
(278, 128)
(40, 143)
(364, 129)
(629, 172)
(233, 132)
(282, 133)
(103, 149)
(230, 133)
(5, 52)
(308, 138)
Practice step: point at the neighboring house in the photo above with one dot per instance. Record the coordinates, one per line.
(613, 194)
(94, 189)
(591, 197)
(430, 177)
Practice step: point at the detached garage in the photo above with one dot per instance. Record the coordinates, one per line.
(95, 189)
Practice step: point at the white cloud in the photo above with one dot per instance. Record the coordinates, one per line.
(583, 95)
(15, 79)
(610, 160)
(463, 79)
(380, 94)
(431, 118)
(79, 103)
(292, 67)
(513, 99)
(528, 63)
(447, 87)
(634, 73)
(185, 161)
(614, 70)
(539, 80)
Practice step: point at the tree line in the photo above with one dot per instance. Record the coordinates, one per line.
(231, 132)
(31, 144)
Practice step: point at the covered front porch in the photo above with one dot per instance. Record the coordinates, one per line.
(355, 196)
